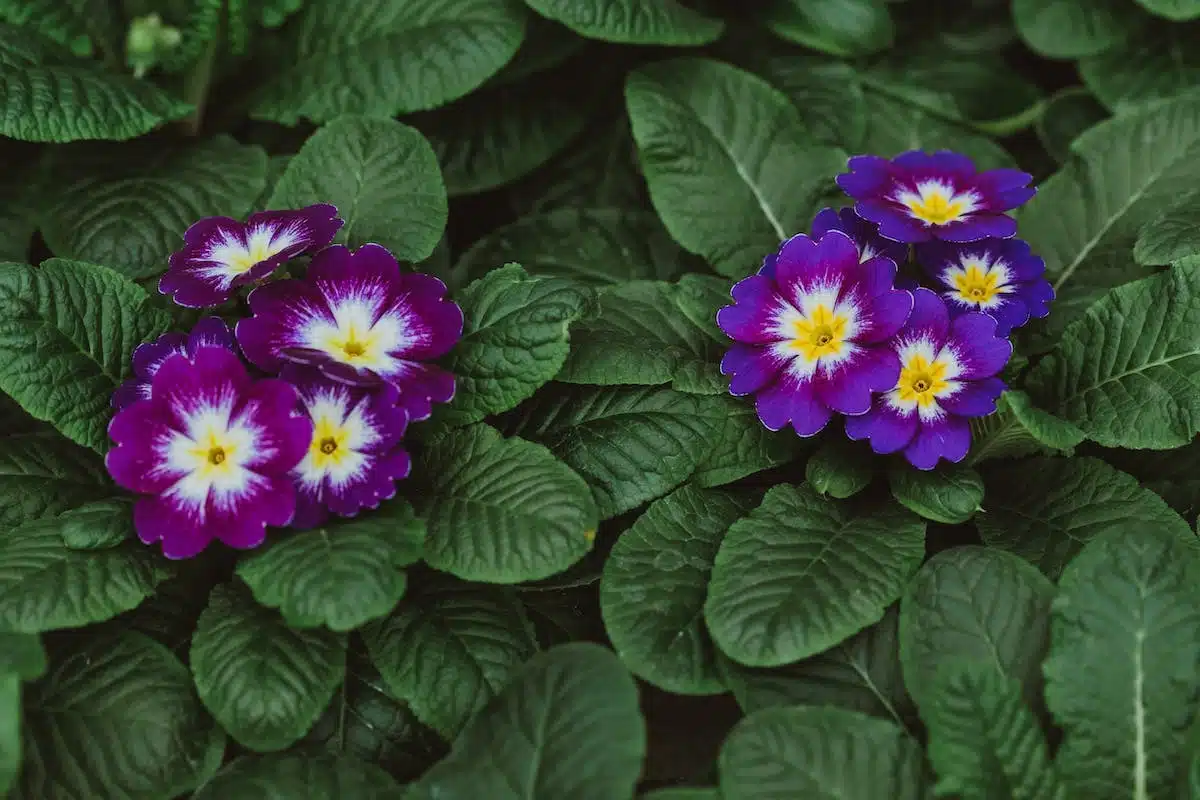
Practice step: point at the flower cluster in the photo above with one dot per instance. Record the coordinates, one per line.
(297, 412)
(828, 327)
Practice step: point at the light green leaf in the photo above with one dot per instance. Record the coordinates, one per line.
(384, 59)
(299, 776)
(1121, 676)
(340, 576)
(1018, 428)
(848, 29)
(1067, 114)
(1171, 236)
(382, 176)
(819, 754)
(731, 166)
(840, 469)
(72, 319)
(1156, 63)
(801, 574)
(1175, 10)
(516, 337)
(654, 584)
(502, 510)
(950, 495)
(98, 525)
(42, 475)
(1046, 509)
(1125, 373)
(266, 683)
(448, 649)
(657, 22)
(567, 725)
(979, 605)
(742, 445)
(1072, 28)
(117, 717)
(984, 742)
(22, 654)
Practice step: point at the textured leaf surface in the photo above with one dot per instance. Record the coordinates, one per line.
(1068, 113)
(1154, 64)
(42, 475)
(663, 22)
(502, 510)
(1071, 28)
(67, 331)
(299, 776)
(339, 576)
(801, 573)
(950, 495)
(742, 446)
(382, 176)
(447, 650)
(266, 683)
(654, 584)
(840, 469)
(567, 725)
(1121, 675)
(98, 525)
(1172, 236)
(1018, 428)
(847, 29)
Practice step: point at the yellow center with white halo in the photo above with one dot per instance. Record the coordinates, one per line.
(937, 203)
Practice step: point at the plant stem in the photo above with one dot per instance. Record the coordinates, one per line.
(196, 85)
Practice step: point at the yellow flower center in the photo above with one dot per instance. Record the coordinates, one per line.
(328, 446)
(936, 203)
(823, 333)
(976, 285)
(257, 252)
(213, 454)
(216, 456)
(353, 344)
(922, 381)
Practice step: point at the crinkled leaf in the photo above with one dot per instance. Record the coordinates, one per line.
(43, 474)
(661, 22)
(1171, 236)
(1153, 65)
(1072, 28)
(742, 445)
(1067, 114)
(299, 776)
(848, 29)
(98, 525)
(1018, 428)
(950, 495)
(840, 469)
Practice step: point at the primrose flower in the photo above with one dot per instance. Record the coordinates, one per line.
(149, 356)
(209, 452)
(947, 375)
(354, 457)
(864, 234)
(999, 277)
(360, 321)
(221, 254)
(809, 332)
(919, 196)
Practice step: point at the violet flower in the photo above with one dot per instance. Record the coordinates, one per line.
(149, 356)
(863, 233)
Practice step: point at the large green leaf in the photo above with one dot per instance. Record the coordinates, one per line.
(42, 475)
(117, 717)
(661, 22)
(1072, 28)
(1046, 509)
(840, 469)
(978, 605)
(299, 776)
(98, 525)
(1125, 373)
(22, 654)
(383, 59)
(1018, 428)
(502, 510)
(1171, 236)
(567, 725)
(819, 754)
(742, 446)
(266, 683)
(801, 574)
(382, 176)
(950, 495)
(850, 29)
(67, 333)
(340, 576)
(1121, 676)
(1155, 64)
(1174, 475)
(654, 584)
(448, 649)
(732, 168)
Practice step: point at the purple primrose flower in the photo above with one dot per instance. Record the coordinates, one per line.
(999, 277)
(809, 332)
(354, 458)
(360, 321)
(149, 356)
(209, 453)
(919, 196)
(864, 234)
(947, 375)
(221, 254)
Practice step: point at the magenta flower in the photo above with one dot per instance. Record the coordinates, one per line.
(919, 196)
(810, 329)
(221, 254)
(354, 457)
(998, 277)
(360, 321)
(864, 234)
(947, 375)
(149, 356)
(209, 452)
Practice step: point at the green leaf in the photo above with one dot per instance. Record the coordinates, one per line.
(1156, 63)
(299, 776)
(682, 793)
(448, 649)
(567, 725)
(384, 59)
(848, 29)
(742, 445)
(1046, 509)
(801, 574)
(68, 318)
(984, 742)
(98, 525)
(340, 576)
(1125, 372)
(117, 717)
(502, 510)
(974, 604)
(731, 166)
(1174, 475)
(1067, 114)
(1175, 10)
(22, 654)
(819, 754)
(1121, 675)
(648, 22)
(950, 495)
(1171, 236)
(1072, 28)
(382, 176)
(1018, 428)
(42, 475)
(1086, 217)
(266, 683)
(10, 730)
(81, 26)
(515, 339)
(840, 469)
(48, 95)
(654, 585)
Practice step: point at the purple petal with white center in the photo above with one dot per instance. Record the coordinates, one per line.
(930, 319)
(947, 438)
(974, 398)
(887, 314)
(805, 266)
(848, 390)
(893, 223)
(887, 430)
(791, 401)
(979, 352)
(752, 368)
(751, 317)
(149, 356)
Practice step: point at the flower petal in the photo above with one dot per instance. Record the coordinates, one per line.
(284, 435)
(422, 385)
(244, 526)
(974, 398)
(947, 438)
(930, 318)
(752, 368)
(976, 227)
(887, 430)
(848, 390)
(751, 318)
(979, 351)
(789, 400)
(183, 533)
(887, 315)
